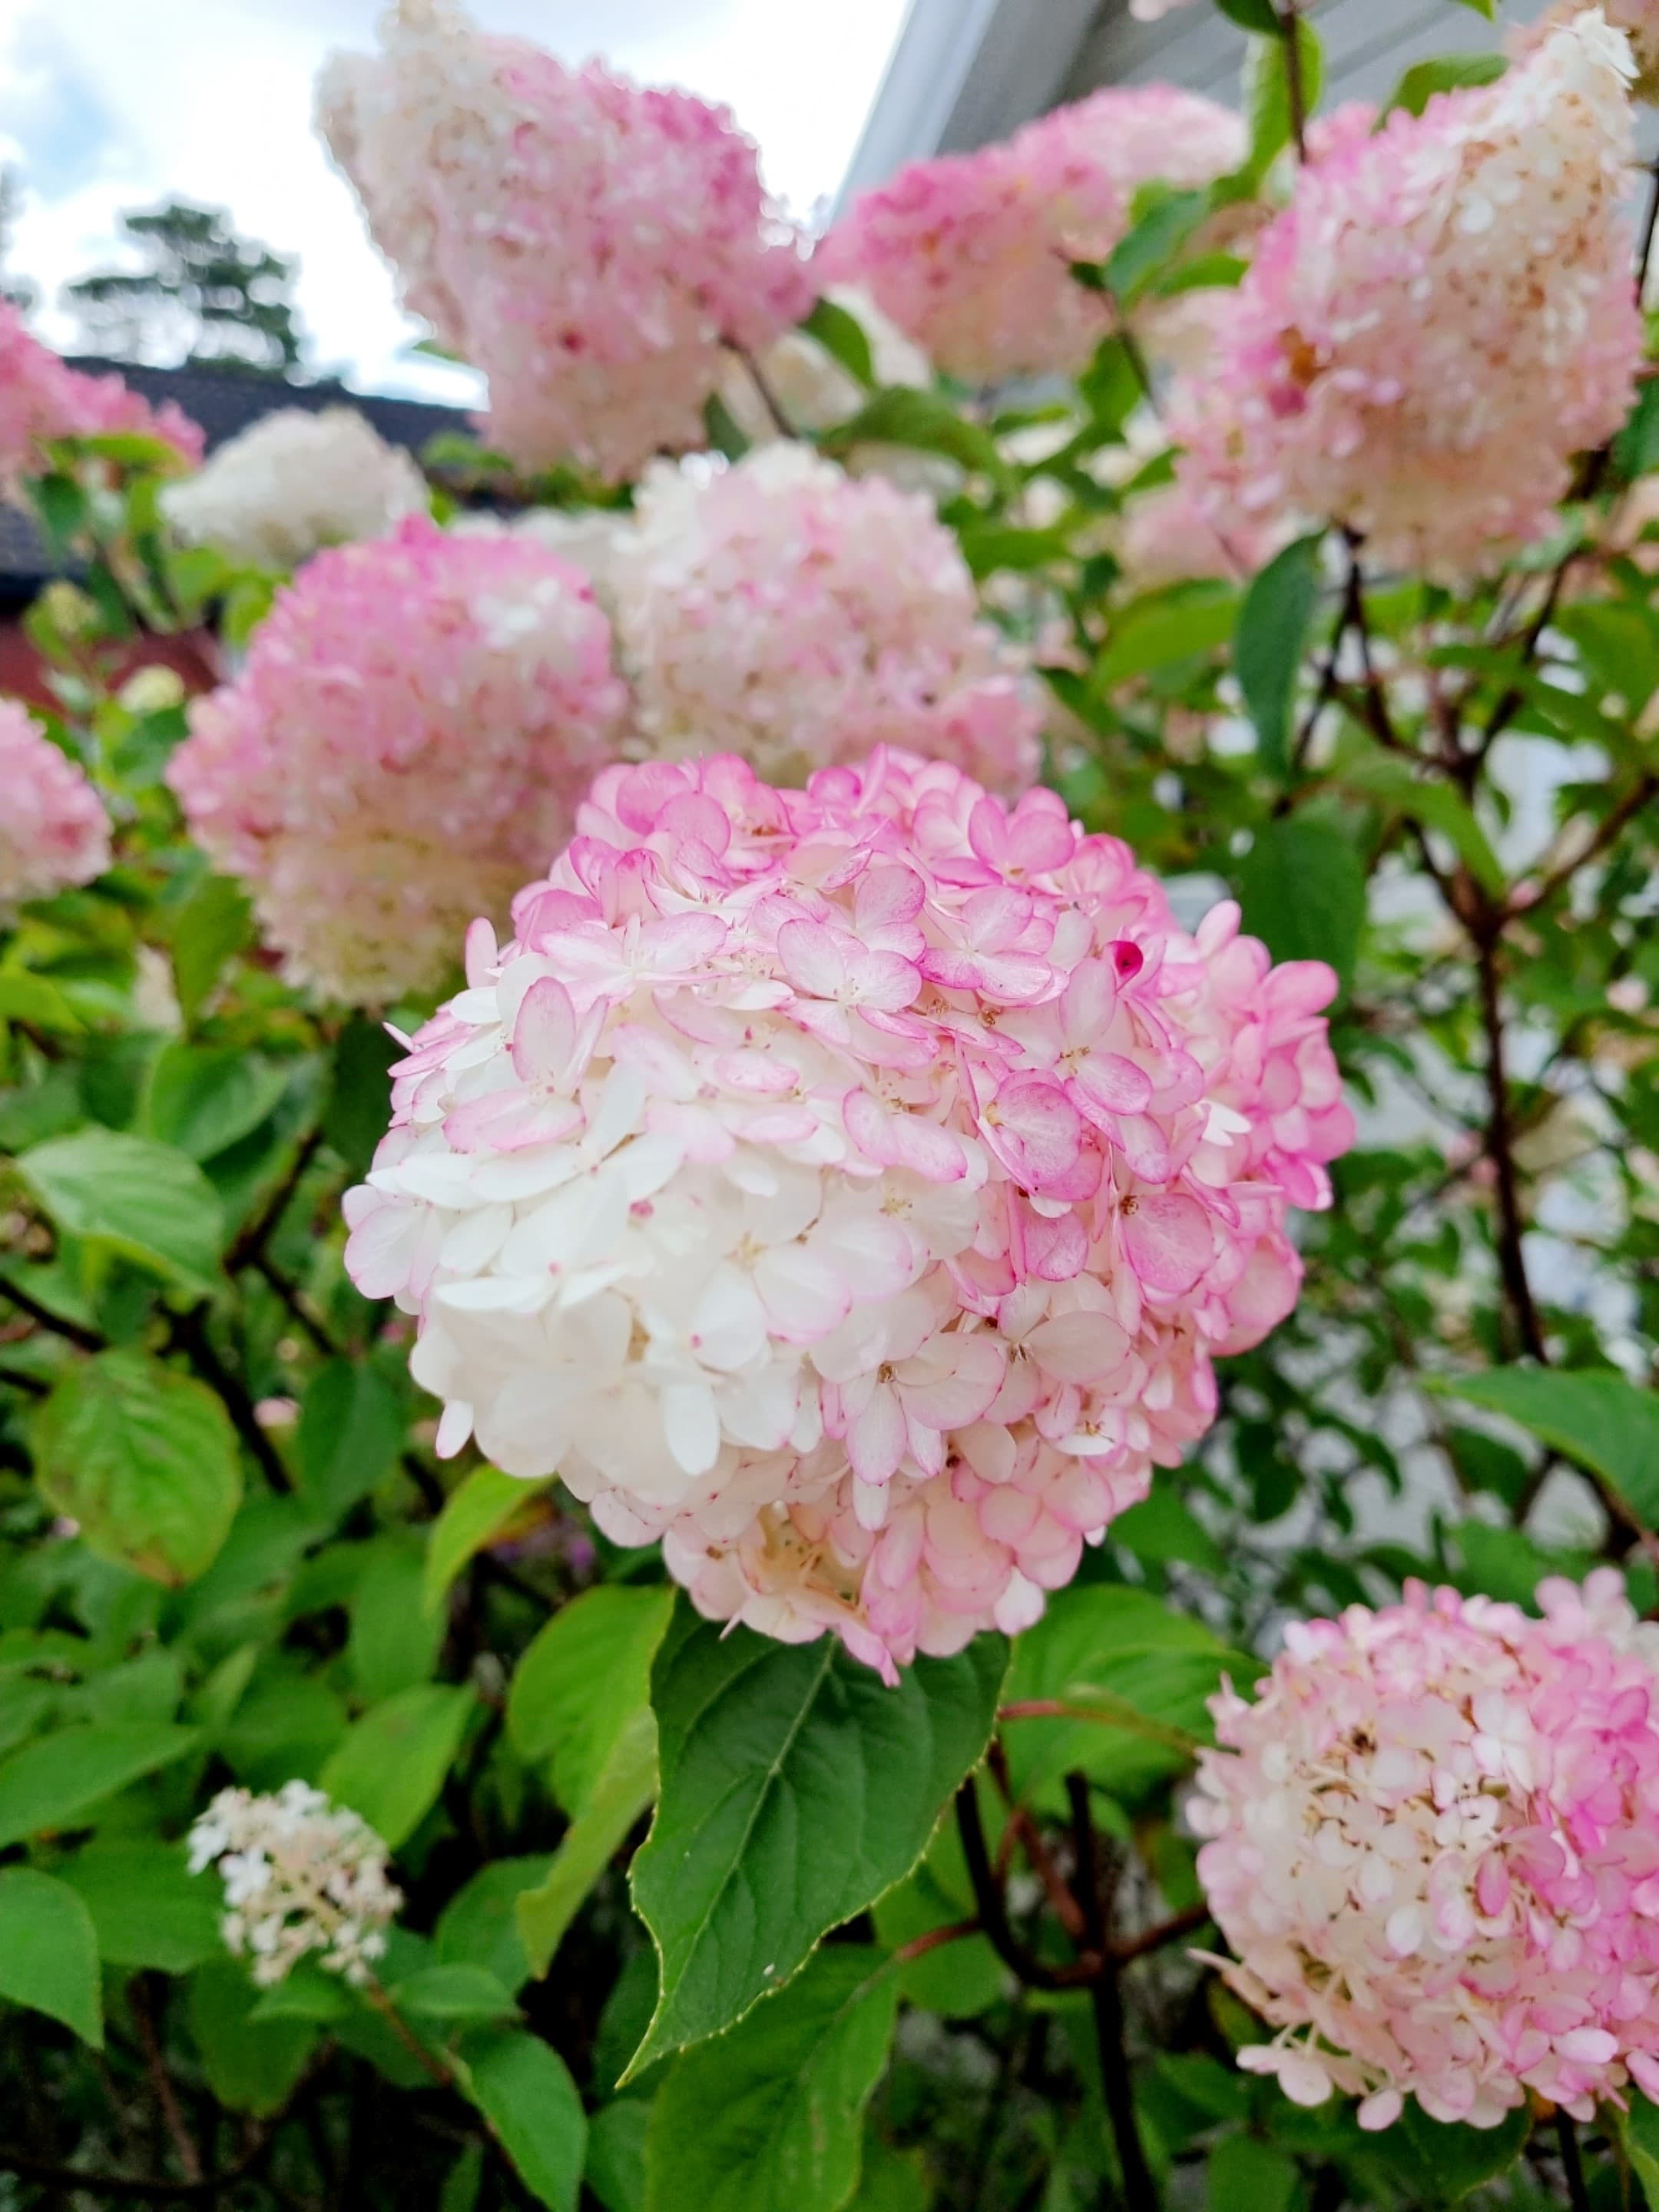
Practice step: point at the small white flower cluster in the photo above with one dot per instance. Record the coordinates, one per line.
(293, 482)
(300, 1875)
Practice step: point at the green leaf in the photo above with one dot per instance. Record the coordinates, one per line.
(1301, 887)
(1126, 1654)
(1486, 7)
(1241, 2171)
(145, 1459)
(479, 1926)
(1259, 15)
(1636, 451)
(524, 2092)
(615, 2154)
(49, 1952)
(392, 1764)
(252, 2065)
(204, 1098)
(144, 1201)
(1153, 238)
(1163, 627)
(148, 1908)
(31, 999)
(625, 1788)
(1162, 1527)
(454, 1992)
(768, 2117)
(1641, 2133)
(1599, 1420)
(473, 1516)
(1443, 73)
(54, 1784)
(395, 1643)
(215, 922)
(796, 1788)
(351, 1429)
(844, 338)
(1442, 2165)
(1364, 767)
(582, 1680)
(464, 2181)
(358, 1111)
(902, 415)
(1273, 622)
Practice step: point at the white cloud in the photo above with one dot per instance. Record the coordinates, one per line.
(106, 105)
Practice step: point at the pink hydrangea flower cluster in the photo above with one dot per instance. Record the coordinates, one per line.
(969, 253)
(54, 833)
(1434, 1848)
(591, 247)
(416, 720)
(1444, 316)
(850, 1187)
(807, 616)
(42, 398)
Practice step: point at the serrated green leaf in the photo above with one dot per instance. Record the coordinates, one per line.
(51, 1785)
(479, 1926)
(1157, 234)
(149, 1202)
(582, 1680)
(1273, 622)
(768, 2117)
(214, 923)
(145, 1459)
(796, 1787)
(392, 1764)
(49, 1952)
(457, 1991)
(1600, 1420)
(1165, 627)
(615, 2154)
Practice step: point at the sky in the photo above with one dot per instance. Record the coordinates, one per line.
(112, 104)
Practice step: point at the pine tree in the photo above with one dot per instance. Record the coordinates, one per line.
(205, 295)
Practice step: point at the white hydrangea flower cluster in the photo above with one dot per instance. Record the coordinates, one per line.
(295, 482)
(302, 1877)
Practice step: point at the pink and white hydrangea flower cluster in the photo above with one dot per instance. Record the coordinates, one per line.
(303, 1878)
(43, 398)
(592, 246)
(1442, 318)
(807, 616)
(850, 1187)
(293, 481)
(414, 722)
(1434, 1848)
(54, 832)
(970, 253)
(1637, 19)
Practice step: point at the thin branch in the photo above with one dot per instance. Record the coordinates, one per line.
(435, 2068)
(1572, 2164)
(188, 1331)
(1616, 820)
(88, 1339)
(161, 2081)
(1154, 1939)
(289, 1292)
(769, 399)
(252, 1241)
(1038, 1857)
(993, 1909)
(1295, 88)
(1500, 1151)
(1139, 2191)
(935, 1939)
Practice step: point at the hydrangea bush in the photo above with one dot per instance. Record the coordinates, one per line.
(828, 1300)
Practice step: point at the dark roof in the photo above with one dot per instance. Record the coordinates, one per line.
(224, 401)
